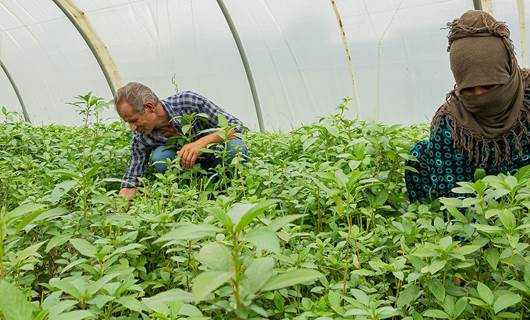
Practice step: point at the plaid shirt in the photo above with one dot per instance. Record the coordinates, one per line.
(178, 105)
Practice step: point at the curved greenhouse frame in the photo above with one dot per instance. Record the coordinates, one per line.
(274, 63)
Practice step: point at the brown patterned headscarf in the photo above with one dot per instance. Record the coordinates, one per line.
(482, 54)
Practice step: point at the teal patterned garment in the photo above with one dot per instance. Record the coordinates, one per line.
(440, 166)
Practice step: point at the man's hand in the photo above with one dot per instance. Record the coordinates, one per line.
(190, 153)
(128, 193)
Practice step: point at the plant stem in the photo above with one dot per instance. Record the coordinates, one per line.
(235, 256)
(319, 210)
(347, 265)
(189, 266)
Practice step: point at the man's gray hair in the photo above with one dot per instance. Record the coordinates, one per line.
(136, 94)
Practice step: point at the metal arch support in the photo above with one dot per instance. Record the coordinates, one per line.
(348, 56)
(98, 48)
(24, 111)
(487, 5)
(245, 63)
(522, 29)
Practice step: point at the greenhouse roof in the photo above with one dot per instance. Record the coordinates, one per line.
(273, 63)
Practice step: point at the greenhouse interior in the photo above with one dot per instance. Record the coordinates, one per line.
(264, 159)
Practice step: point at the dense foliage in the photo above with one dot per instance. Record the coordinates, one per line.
(316, 225)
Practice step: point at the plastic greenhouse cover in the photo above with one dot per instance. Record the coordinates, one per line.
(295, 51)
(48, 60)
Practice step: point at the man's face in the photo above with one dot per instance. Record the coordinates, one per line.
(144, 122)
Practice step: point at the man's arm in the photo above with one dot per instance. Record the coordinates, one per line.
(199, 104)
(137, 167)
(191, 151)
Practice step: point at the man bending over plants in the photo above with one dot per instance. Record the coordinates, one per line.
(485, 121)
(154, 121)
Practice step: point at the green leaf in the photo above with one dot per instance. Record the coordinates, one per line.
(190, 311)
(452, 202)
(161, 301)
(90, 173)
(460, 307)
(527, 274)
(69, 286)
(361, 296)
(449, 304)
(257, 274)
(492, 257)
(216, 256)
(435, 313)
(57, 241)
(278, 223)
(465, 250)
(437, 265)
(78, 314)
(487, 228)
(131, 247)
(479, 174)
(519, 285)
(408, 295)
(61, 189)
(508, 219)
(355, 312)
(457, 215)
(263, 239)
(73, 264)
(445, 242)
(437, 289)
(27, 219)
(101, 300)
(29, 251)
(53, 306)
(221, 215)
(492, 213)
(424, 252)
(506, 300)
(84, 247)
(341, 179)
(523, 173)
(252, 213)
(291, 278)
(207, 282)
(23, 210)
(13, 303)
(41, 315)
(386, 312)
(339, 204)
(485, 293)
(334, 300)
(94, 287)
(188, 231)
(238, 210)
(131, 303)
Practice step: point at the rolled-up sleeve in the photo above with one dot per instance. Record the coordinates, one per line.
(137, 163)
(213, 112)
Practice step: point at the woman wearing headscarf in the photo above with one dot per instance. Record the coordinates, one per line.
(484, 122)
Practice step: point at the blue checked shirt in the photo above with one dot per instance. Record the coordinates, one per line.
(178, 105)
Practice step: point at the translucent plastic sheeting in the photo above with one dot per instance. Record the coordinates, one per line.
(154, 42)
(507, 10)
(48, 60)
(297, 57)
(399, 55)
(398, 51)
